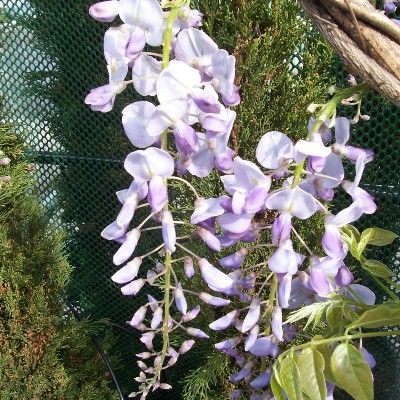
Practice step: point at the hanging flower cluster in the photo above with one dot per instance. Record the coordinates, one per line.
(191, 85)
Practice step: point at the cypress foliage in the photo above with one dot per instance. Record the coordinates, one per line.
(44, 354)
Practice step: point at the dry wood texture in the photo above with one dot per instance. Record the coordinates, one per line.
(367, 41)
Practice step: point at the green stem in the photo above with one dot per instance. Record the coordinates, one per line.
(271, 300)
(173, 13)
(327, 112)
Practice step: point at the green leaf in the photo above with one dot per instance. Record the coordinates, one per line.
(326, 353)
(379, 316)
(377, 268)
(351, 237)
(378, 237)
(352, 231)
(276, 388)
(290, 378)
(334, 317)
(352, 373)
(311, 368)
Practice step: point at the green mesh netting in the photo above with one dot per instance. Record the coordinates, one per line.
(52, 56)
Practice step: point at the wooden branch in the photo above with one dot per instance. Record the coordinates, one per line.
(379, 65)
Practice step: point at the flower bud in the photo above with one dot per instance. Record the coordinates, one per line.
(128, 247)
(224, 322)
(252, 337)
(262, 381)
(186, 346)
(144, 356)
(157, 318)
(197, 333)
(147, 339)
(138, 317)
(252, 316)
(133, 288)
(191, 314)
(276, 323)
(128, 272)
(228, 344)
(188, 266)
(214, 301)
(180, 299)
(211, 240)
(168, 231)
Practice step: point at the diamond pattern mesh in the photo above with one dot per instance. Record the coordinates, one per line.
(52, 56)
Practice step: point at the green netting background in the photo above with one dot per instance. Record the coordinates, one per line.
(51, 56)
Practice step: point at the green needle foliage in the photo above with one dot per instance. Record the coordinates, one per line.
(44, 354)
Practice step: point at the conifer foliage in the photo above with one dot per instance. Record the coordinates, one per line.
(44, 353)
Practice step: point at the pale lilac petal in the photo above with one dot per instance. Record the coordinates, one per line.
(195, 48)
(308, 148)
(238, 202)
(186, 139)
(158, 194)
(353, 153)
(127, 248)
(348, 215)
(214, 278)
(234, 260)
(206, 208)
(224, 322)
(361, 293)
(274, 149)
(135, 118)
(166, 116)
(127, 212)
(113, 231)
(319, 282)
(342, 130)
(145, 164)
(145, 72)
(236, 223)
(128, 272)
(136, 44)
(105, 11)
(368, 357)
(191, 315)
(333, 168)
(177, 81)
(206, 99)
(284, 290)
(281, 228)
(252, 337)
(228, 344)
(115, 41)
(248, 175)
(201, 163)
(295, 201)
(146, 14)
(252, 316)
(264, 347)
(255, 201)
(332, 242)
(344, 276)
(102, 98)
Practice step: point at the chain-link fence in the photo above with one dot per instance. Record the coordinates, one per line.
(52, 55)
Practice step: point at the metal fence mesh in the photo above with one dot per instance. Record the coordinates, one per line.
(51, 56)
